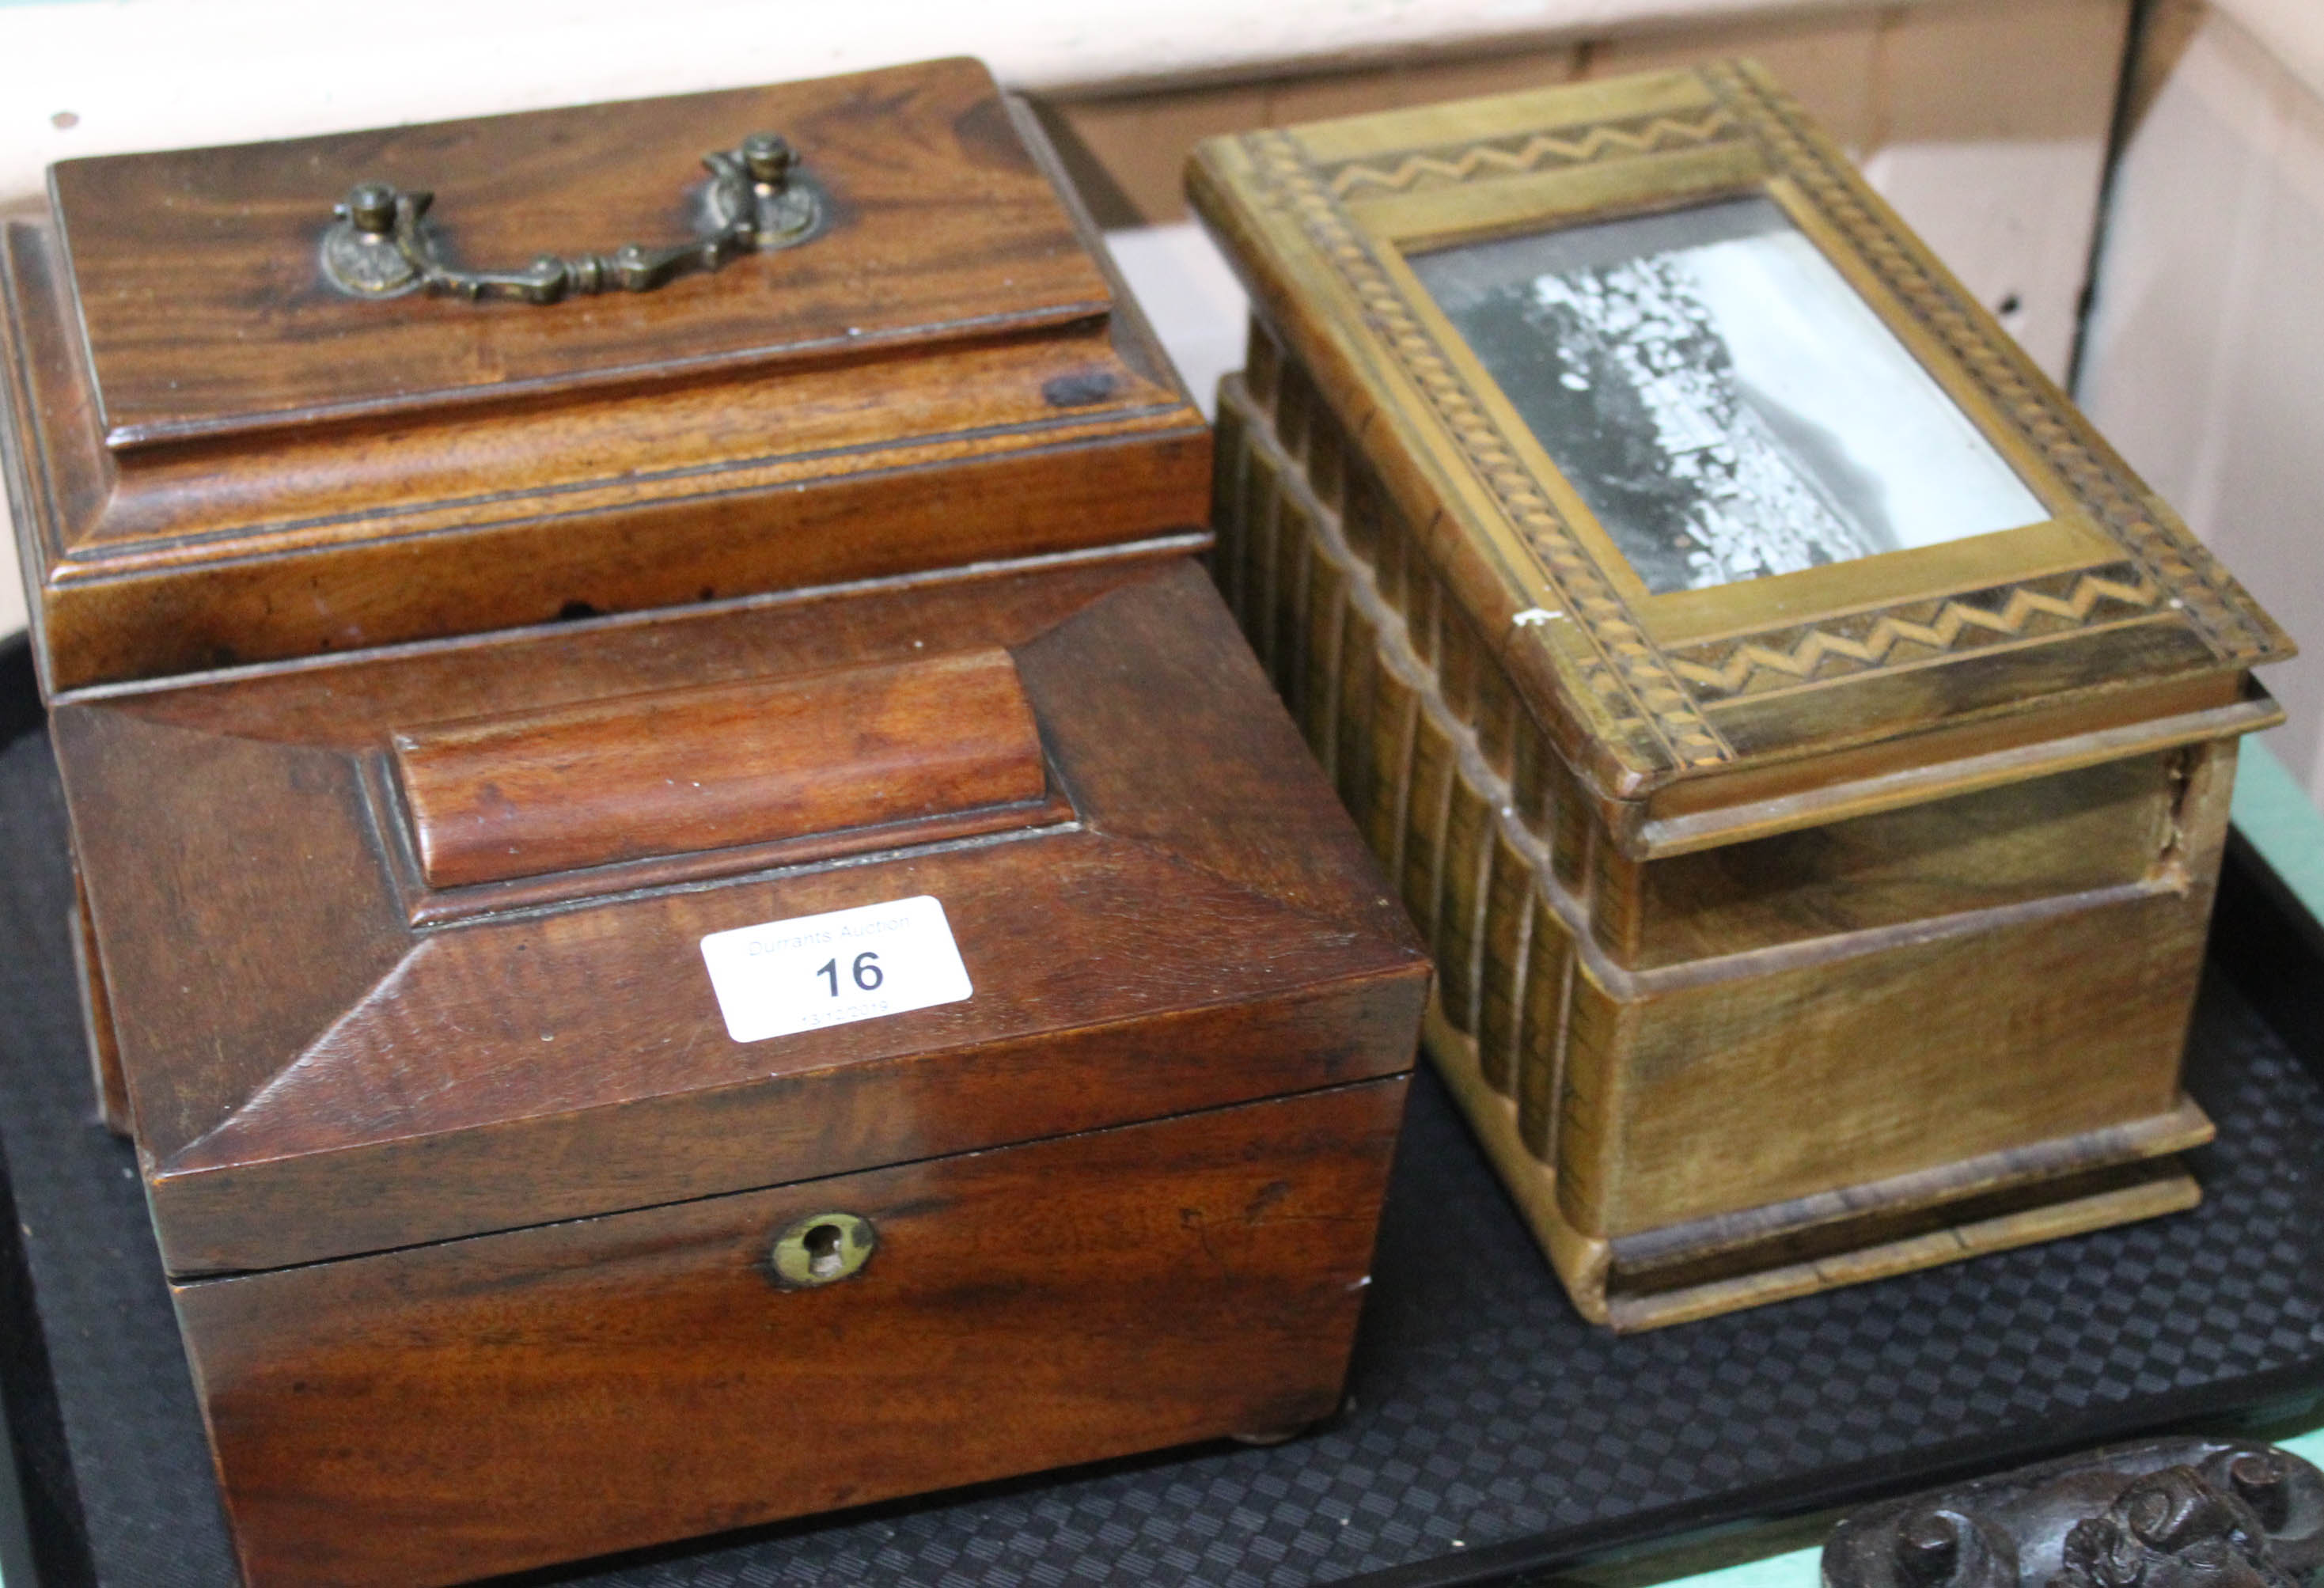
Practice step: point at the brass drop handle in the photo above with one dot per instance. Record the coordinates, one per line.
(758, 200)
(822, 1248)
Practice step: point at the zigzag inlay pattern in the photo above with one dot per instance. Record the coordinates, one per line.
(1514, 156)
(2008, 612)
(1628, 676)
(2214, 604)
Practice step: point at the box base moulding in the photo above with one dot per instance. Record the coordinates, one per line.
(1891, 1227)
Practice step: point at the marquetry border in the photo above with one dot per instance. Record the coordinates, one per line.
(1513, 156)
(1636, 681)
(1628, 673)
(1916, 630)
(2214, 604)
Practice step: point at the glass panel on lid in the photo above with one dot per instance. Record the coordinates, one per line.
(1722, 399)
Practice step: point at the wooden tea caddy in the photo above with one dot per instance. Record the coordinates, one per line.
(438, 655)
(1791, 930)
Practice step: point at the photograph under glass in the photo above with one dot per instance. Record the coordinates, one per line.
(1725, 404)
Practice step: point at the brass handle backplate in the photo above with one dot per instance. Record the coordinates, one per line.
(822, 1248)
(758, 200)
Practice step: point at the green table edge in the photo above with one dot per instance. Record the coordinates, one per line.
(2281, 822)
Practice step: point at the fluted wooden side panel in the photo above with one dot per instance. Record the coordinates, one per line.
(1447, 776)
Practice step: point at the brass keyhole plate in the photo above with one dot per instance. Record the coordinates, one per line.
(822, 1248)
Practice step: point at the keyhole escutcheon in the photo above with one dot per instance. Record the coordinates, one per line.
(822, 1248)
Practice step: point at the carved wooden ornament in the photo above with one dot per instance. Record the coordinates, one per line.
(2168, 1513)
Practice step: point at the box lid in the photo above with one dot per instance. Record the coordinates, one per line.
(398, 380)
(208, 293)
(432, 956)
(1634, 360)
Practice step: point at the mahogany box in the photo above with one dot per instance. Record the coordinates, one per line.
(1804, 742)
(693, 905)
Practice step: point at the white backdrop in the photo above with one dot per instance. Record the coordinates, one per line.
(115, 75)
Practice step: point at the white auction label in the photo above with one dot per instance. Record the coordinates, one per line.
(828, 970)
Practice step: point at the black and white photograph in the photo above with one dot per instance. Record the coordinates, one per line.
(1723, 401)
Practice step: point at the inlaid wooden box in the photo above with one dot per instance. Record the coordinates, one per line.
(695, 907)
(1805, 744)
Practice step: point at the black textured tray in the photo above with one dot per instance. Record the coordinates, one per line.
(1488, 1429)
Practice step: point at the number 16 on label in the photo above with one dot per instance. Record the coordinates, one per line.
(814, 971)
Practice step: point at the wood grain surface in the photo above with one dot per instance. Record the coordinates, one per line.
(205, 311)
(1870, 1231)
(1206, 929)
(1698, 1101)
(429, 1415)
(2094, 827)
(718, 765)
